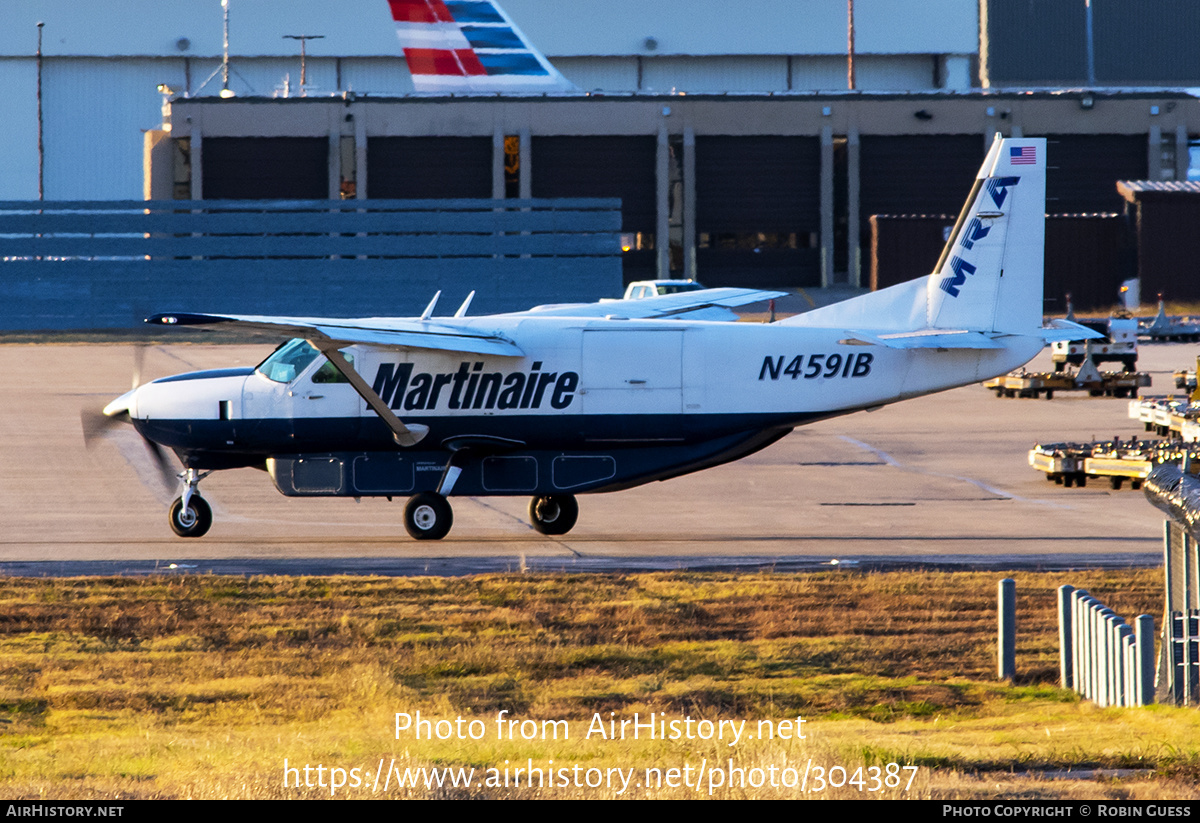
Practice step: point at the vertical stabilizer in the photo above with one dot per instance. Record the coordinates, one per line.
(990, 275)
(470, 46)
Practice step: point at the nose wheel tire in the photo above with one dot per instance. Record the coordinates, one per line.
(195, 521)
(554, 514)
(428, 516)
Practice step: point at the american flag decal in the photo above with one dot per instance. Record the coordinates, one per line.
(1022, 156)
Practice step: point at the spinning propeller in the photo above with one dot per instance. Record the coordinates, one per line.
(161, 477)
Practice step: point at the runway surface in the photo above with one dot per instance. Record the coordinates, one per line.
(941, 479)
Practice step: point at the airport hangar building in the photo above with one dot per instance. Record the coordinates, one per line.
(733, 144)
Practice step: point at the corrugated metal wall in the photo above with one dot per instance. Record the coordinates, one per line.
(599, 167)
(620, 167)
(917, 174)
(1088, 256)
(258, 168)
(1150, 41)
(748, 73)
(18, 130)
(264, 76)
(429, 167)
(1032, 41)
(1168, 245)
(906, 246)
(714, 74)
(596, 73)
(376, 74)
(1044, 42)
(1083, 170)
(95, 112)
(758, 187)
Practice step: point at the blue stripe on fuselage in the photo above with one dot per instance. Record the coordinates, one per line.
(204, 375)
(200, 442)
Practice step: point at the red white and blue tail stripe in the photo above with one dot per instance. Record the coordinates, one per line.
(464, 46)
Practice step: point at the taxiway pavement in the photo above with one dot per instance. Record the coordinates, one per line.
(944, 476)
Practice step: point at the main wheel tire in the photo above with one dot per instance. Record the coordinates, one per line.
(428, 516)
(554, 514)
(195, 521)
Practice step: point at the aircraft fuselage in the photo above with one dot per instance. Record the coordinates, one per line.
(593, 405)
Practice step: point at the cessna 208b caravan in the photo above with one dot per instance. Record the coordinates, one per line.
(565, 400)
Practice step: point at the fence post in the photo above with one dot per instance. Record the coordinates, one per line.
(1103, 648)
(1081, 647)
(1124, 638)
(1066, 664)
(1007, 646)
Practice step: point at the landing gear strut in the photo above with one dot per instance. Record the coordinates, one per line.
(553, 514)
(191, 516)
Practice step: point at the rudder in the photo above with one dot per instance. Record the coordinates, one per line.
(990, 274)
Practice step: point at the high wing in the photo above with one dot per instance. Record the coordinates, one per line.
(664, 307)
(378, 331)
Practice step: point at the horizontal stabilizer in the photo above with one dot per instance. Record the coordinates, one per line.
(376, 331)
(932, 339)
(1063, 330)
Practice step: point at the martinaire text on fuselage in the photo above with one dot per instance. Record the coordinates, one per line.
(472, 388)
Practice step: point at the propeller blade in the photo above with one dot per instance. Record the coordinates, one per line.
(139, 360)
(167, 477)
(96, 424)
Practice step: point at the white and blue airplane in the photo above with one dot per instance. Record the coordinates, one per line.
(565, 400)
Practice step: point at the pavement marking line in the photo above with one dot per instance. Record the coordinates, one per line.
(891, 461)
(479, 501)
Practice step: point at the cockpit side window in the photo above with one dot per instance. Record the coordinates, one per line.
(288, 360)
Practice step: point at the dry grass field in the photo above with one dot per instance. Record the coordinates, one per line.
(200, 686)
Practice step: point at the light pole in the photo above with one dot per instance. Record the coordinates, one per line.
(303, 38)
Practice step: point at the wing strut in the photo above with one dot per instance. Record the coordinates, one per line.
(405, 435)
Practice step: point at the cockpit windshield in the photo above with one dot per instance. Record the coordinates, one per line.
(288, 360)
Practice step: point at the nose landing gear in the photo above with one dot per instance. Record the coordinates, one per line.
(428, 516)
(190, 515)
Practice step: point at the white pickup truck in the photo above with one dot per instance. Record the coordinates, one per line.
(656, 288)
(1119, 345)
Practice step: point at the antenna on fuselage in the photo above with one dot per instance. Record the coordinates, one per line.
(425, 315)
(462, 310)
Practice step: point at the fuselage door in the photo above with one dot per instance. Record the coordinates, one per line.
(296, 399)
(325, 409)
(632, 371)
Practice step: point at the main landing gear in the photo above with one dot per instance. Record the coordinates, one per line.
(191, 516)
(428, 515)
(553, 514)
